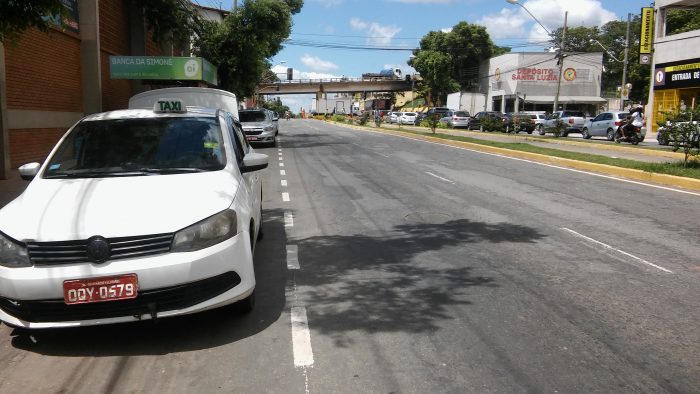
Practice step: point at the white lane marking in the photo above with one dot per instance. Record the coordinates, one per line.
(301, 338)
(439, 177)
(279, 149)
(288, 219)
(547, 165)
(281, 164)
(606, 246)
(283, 172)
(293, 257)
(285, 197)
(283, 182)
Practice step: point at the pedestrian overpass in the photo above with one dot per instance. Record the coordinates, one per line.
(335, 85)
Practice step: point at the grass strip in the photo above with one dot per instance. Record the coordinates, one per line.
(669, 168)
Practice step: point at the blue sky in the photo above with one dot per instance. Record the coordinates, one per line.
(400, 24)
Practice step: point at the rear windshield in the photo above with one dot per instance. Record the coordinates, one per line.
(251, 116)
(409, 113)
(122, 147)
(462, 113)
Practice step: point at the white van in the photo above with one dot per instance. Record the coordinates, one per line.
(197, 97)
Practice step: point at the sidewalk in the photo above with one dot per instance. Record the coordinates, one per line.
(11, 187)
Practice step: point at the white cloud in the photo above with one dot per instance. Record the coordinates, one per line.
(317, 64)
(376, 33)
(515, 22)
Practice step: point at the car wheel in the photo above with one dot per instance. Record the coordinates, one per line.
(529, 131)
(611, 134)
(584, 134)
(540, 130)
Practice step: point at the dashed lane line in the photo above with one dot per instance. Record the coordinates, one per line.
(301, 338)
(439, 177)
(288, 219)
(283, 182)
(283, 172)
(293, 257)
(606, 246)
(285, 197)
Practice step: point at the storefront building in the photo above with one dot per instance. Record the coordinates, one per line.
(676, 65)
(528, 82)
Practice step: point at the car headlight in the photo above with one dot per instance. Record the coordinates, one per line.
(13, 254)
(269, 128)
(206, 233)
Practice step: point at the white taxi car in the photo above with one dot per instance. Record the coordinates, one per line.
(135, 215)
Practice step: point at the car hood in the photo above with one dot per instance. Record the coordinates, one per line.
(68, 209)
(254, 125)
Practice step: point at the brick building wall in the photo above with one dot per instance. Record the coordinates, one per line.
(43, 74)
(114, 40)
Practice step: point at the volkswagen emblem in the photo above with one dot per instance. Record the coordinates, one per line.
(98, 249)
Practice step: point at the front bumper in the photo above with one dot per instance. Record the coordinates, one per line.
(170, 284)
(260, 136)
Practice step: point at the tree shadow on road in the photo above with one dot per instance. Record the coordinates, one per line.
(404, 282)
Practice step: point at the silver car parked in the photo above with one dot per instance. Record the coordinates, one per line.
(259, 125)
(604, 125)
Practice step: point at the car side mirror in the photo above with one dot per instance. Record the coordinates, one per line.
(275, 118)
(254, 161)
(29, 171)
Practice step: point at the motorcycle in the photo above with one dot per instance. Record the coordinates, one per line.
(632, 136)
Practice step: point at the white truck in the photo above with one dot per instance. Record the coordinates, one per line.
(338, 105)
(563, 123)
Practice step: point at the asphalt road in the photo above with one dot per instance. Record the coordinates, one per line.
(395, 265)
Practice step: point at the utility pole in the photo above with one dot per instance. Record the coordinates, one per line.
(623, 88)
(561, 63)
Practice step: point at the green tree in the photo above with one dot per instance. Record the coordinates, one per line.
(276, 106)
(20, 15)
(450, 61)
(241, 45)
(682, 20)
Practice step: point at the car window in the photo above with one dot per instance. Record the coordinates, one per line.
(598, 118)
(242, 147)
(252, 116)
(462, 113)
(139, 144)
(607, 116)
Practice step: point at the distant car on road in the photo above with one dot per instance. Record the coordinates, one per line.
(260, 125)
(394, 117)
(604, 125)
(408, 118)
(476, 120)
(456, 119)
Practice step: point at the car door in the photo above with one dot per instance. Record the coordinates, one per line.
(595, 124)
(251, 180)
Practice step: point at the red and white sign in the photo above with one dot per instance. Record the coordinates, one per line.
(112, 288)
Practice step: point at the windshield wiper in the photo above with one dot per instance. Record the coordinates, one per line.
(93, 174)
(172, 170)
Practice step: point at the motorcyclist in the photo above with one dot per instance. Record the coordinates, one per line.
(634, 121)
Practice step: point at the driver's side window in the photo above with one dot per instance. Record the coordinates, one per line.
(241, 144)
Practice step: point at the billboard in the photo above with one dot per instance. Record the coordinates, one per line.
(646, 36)
(162, 68)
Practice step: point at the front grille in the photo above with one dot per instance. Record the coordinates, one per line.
(253, 131)
(158, 300)
(70, 252)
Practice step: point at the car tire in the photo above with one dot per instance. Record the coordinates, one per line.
(585, 134)
(540, 130)
(529, 131)
(611, 134)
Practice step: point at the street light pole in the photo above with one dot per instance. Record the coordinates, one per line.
(561, 63)
(624, 65)
(560, 55)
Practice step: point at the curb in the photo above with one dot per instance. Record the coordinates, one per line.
(628, 173)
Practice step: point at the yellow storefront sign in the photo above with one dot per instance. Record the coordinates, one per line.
(646, 37)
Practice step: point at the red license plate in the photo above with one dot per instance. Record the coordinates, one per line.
(110, 288)
(252, 138)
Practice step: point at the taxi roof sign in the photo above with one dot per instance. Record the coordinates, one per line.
(166, 105)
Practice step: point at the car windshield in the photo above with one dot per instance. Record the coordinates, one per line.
(144, 146)
(409, 113)
(252, 116)
(462, 113)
